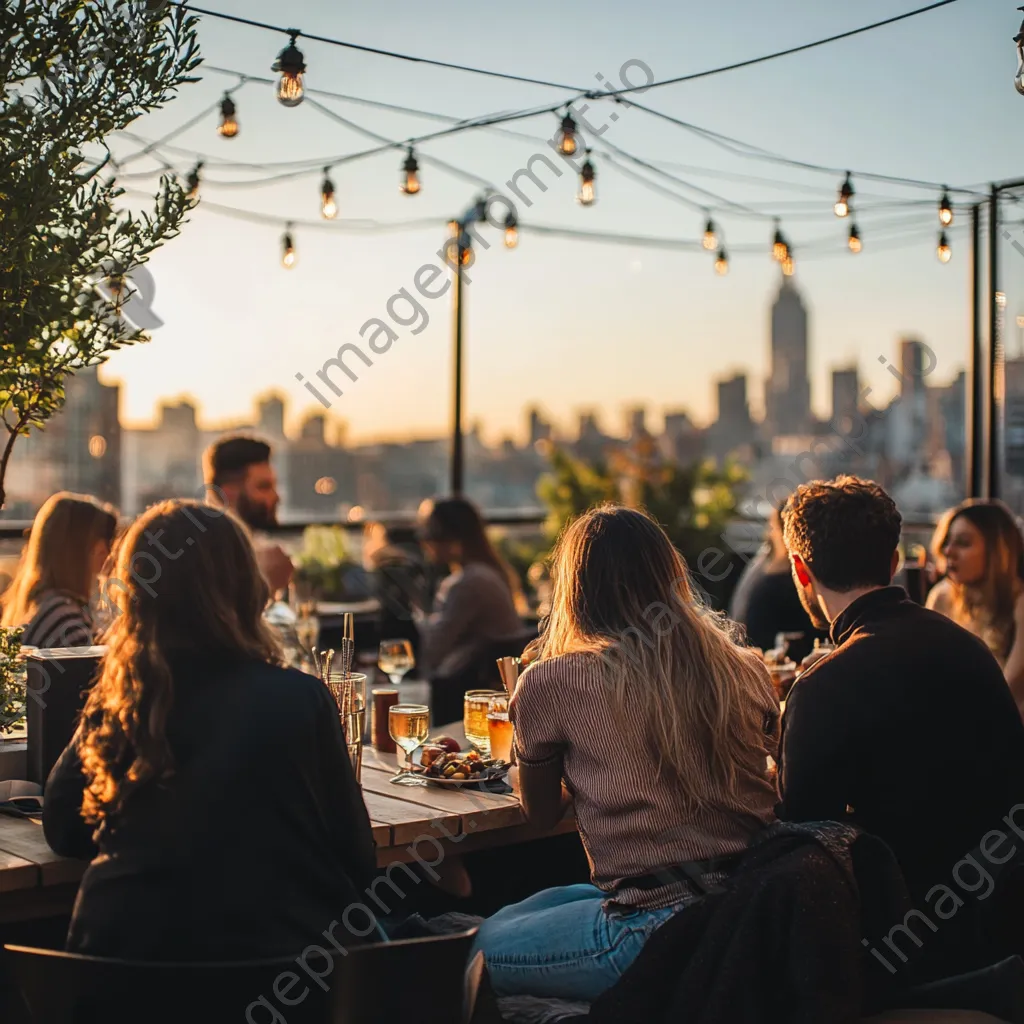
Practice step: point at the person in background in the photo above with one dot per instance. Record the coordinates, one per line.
(474, 605)
(978, 547)
(56, 578)
(237, 470)
(907, 729)
(660, 726)
(773, 604)
(196, 750)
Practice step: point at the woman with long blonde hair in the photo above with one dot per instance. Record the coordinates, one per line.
(56, 578)
(641, 710)
(979, 548)
(204, 767)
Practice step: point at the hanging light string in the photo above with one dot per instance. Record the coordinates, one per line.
(750, 62)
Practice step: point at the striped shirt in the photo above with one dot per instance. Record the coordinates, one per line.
(61, 620)
(631, 822)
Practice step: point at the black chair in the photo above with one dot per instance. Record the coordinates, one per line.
(422, 979)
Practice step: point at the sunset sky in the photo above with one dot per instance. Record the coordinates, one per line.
(566, 324)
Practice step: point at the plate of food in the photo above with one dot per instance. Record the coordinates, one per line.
(445, 767)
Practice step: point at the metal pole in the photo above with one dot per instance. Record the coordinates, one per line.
(456, 469)
(995, 352)
(975, 392)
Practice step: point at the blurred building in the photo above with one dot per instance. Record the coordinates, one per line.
(320, 477)
(733, 427)
(845, 396)
(787, 399)
(682, 440)
(164, 461)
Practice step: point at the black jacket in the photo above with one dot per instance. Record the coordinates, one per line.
(257, 843)
(908, 729)
(779, 941)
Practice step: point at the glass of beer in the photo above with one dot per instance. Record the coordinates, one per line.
(408, 725)
(499, 728)
(474, 719)
(395, 658)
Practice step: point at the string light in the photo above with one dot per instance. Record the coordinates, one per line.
(842, 205)
(944, 252)
(228, 126)
(511, 231)
(567, 145)
(288, 256)
(193, 180)
(721, 263)
(328, 206)
(945, 210)
(710, 238)
(586, 196)
(291, 66)
(788, 264)
(854, 241)
(780, 248)
(410, 184)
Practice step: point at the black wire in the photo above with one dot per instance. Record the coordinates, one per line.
(372, 49)
(780, 53)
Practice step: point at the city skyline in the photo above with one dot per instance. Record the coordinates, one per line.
(572, 324)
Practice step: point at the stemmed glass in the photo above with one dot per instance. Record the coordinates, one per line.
(408, 725)
(395, 657)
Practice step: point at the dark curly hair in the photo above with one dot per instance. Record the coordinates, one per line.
(845, 530)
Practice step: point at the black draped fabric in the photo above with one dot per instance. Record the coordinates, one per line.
(256, 845)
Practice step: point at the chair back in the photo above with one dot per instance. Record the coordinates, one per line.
(410, 979)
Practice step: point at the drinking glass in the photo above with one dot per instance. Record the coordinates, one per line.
(307, 625)
(408, 725)
(395, 657)
(474, 718)
(499, 728)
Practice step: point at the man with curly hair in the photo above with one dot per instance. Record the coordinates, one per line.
(907, 729)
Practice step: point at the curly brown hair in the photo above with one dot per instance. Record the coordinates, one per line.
(187, 582)
(845, 530)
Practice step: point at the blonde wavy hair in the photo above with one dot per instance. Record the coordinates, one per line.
(58, 553)
(200, 593)
(704, 699)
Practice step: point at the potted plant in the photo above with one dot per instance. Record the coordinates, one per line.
(12, 680)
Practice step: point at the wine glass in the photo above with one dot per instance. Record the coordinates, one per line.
(395, 657)
(307, 625)
(408, 725)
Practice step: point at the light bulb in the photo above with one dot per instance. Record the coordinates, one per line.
(511, 232)
(788, 264)
(944, 252)
(721, 263)
(287, 251)
(567, 145)
(710, 238)
(780, 250)
(228, 126)
(410, 183)
(291, 66)
(945, 210)
(854, 241)
(193, 180)
(842, 204)
(328, 206)
(1018, 80)
(586, 196)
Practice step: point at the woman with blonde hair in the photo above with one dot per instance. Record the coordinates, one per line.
(56, 578)
(206, 769)
(641, 710)
(979, 548)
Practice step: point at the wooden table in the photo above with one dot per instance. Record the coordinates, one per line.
(409, 823)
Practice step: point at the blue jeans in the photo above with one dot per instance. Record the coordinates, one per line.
(562, 943)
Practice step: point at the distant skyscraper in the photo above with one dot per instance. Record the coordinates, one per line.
(845, 395)
(270, 417)
(733, 427)
(539, 429)
(788, 389)
(636, 423)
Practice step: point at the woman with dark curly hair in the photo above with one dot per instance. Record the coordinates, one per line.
(211, 786)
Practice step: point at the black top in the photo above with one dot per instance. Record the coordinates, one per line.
(910, 724)
(257, 843)
(773, 606)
